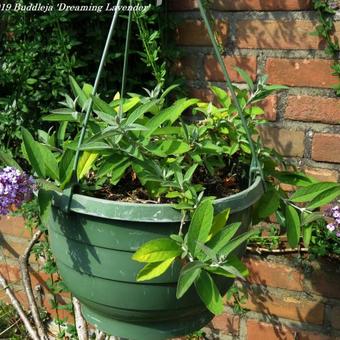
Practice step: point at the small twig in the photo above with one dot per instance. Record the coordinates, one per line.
(81, 325)
(100, 335)
(23, 261)
(16, 304)
(182, 223)
(10, 327)
(260, 250)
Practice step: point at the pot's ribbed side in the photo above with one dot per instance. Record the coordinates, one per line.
(94, 258)
(93, 254)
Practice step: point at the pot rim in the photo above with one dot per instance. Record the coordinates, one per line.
(148, 212)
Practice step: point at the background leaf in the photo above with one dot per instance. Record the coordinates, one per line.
(208, 292)
(85, 163)
(34, 154)
(200, 225)
(188, 275)
(157, 250)
(155, 269)
(293, 226)
(310, 192)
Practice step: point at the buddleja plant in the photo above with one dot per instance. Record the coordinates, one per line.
(156, 146)
(144, 139)
(207, 250)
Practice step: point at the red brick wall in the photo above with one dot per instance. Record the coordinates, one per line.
(288, 299)
(271, 37)
(14, 239)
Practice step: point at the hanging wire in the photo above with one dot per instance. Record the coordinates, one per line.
(89, 104)
(125, 65)
(255, 167)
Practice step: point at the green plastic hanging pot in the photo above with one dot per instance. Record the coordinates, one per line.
(93, 244)
(93, 241)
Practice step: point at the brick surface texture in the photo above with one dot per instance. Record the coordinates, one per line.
(313, 109)
(274, 38)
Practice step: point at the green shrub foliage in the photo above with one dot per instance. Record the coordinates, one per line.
(38, 52)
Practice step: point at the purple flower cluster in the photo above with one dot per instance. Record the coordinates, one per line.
(16, 187)
(334, 214)
(335, 4)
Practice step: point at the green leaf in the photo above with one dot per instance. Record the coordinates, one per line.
(294, 178)
(128, 104)
(189, 173)
(232, 270)
(118, 171)
(310, 192)
(222, 96)
(109, 132)
(308, 218)
(114, 161)
(78, 92)
(95, 146)
(51, 164)
(88, 90)
(210, 254)
(222, 238)
(34, 154)
(45, 203)
(208, 146)
(31, 81)
(208, 292)
(188, 275)
(168, 147)
(255, 111)
(6, 159)
(241, 270)
(106, 118)
(61, 133)
(200, 225)
(236, 242)
(324, 198)
(66, 115)
(101, 106)
(293, 226)
(155, 269)
(170, 114)
(276, 87)
(245, 76)
(307, 235)
(85, 163)
(140, 111)
(219, 222)
(171, 130)
(268, 203)
(168, 90)
(66, 166)
(157, 250)
(281, 219)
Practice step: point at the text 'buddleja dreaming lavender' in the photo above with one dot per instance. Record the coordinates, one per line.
(16, 187)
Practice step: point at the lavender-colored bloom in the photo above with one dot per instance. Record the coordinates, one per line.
(333, 215)
(331, 227)
(335, 4)
(16, 187)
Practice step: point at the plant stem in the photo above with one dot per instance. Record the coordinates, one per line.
(23, 261)
(81, 325)
(16, 304)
